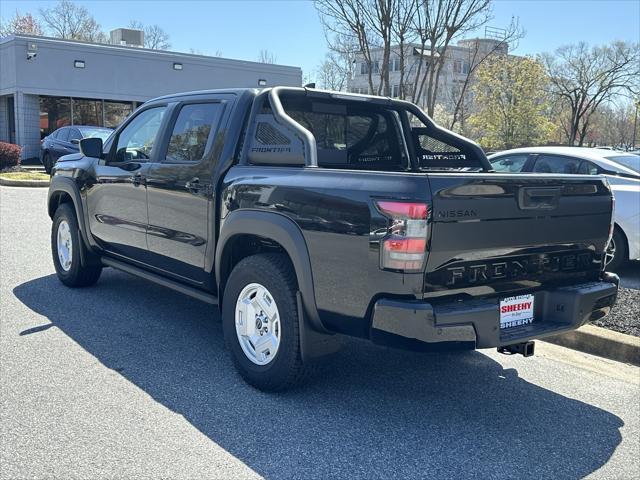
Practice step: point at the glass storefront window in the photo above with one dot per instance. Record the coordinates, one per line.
(116, 112)
(55, 112)
(87, 112)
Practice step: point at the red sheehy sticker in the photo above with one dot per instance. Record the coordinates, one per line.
(516, 311)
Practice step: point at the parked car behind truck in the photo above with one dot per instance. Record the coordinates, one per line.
(65, 140)
(305, 215)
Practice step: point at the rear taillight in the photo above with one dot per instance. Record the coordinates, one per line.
(405, 246)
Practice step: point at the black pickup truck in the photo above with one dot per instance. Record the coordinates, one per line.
(305, 215)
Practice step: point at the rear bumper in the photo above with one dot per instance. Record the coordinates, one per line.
(476, 323)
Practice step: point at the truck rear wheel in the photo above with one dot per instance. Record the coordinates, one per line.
(66, 244)
(260, 322)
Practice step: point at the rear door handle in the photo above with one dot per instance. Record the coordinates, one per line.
(193, 185)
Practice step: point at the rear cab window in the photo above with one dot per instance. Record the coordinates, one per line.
(355, 135)
(348, 135)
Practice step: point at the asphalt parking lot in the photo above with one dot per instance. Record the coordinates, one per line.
(128, 379)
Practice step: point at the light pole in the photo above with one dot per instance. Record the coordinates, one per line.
(635, 125)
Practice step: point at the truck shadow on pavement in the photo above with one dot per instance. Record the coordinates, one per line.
(370, 412)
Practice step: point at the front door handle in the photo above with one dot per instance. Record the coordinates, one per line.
(139, 179)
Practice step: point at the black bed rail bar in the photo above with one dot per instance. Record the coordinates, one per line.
(309, 141)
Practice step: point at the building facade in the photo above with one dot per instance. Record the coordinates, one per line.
(48, 83)
(455, 71)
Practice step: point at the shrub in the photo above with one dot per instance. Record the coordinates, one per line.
(9, 155)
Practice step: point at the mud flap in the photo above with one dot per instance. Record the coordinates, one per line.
(314, 345)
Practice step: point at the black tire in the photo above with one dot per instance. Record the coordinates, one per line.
(620, 256)
(46, 162)
(274, 272)
(77, 275)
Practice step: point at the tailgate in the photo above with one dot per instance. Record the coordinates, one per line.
(501, 232)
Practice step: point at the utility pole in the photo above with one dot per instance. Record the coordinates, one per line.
(635, 125)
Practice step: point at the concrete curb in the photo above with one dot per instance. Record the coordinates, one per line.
(601, 342)
(23, 183)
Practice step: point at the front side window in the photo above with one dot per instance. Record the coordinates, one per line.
(191, 132)
(63, 135)
(509, 163)
(136, 140)
(556, 164)
(74, 134)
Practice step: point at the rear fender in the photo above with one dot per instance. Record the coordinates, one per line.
(280, 229)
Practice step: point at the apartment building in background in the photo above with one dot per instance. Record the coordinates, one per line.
(455, 71)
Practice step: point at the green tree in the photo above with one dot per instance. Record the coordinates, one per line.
(585, 78)
(511, 102)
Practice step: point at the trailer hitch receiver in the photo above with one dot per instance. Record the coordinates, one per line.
(526, 349)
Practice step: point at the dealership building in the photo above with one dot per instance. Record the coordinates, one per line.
(47, 83)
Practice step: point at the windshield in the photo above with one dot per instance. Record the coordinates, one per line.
(102, 133)
(631, 162)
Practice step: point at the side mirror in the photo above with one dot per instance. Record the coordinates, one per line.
(91, 147)
(75, 141)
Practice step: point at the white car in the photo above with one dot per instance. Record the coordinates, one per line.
(621, 169)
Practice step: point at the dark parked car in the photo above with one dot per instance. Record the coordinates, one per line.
(305, 215)
(65, 140)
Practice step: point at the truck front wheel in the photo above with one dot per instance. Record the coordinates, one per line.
(65, 249)
(260, 322)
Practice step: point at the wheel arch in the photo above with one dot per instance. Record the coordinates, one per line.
(619, 228)
(281, 233)
(64, 190)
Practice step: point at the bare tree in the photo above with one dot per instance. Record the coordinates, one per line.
(266, 56)
(379, 26)
(370, 25)
(21, 24)
(155, 37)
(437, 24)
(332, 74)
(404, 36)
(342, 56)
(613, 125)
(346, 19)
(71, 21)
(585, 78)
